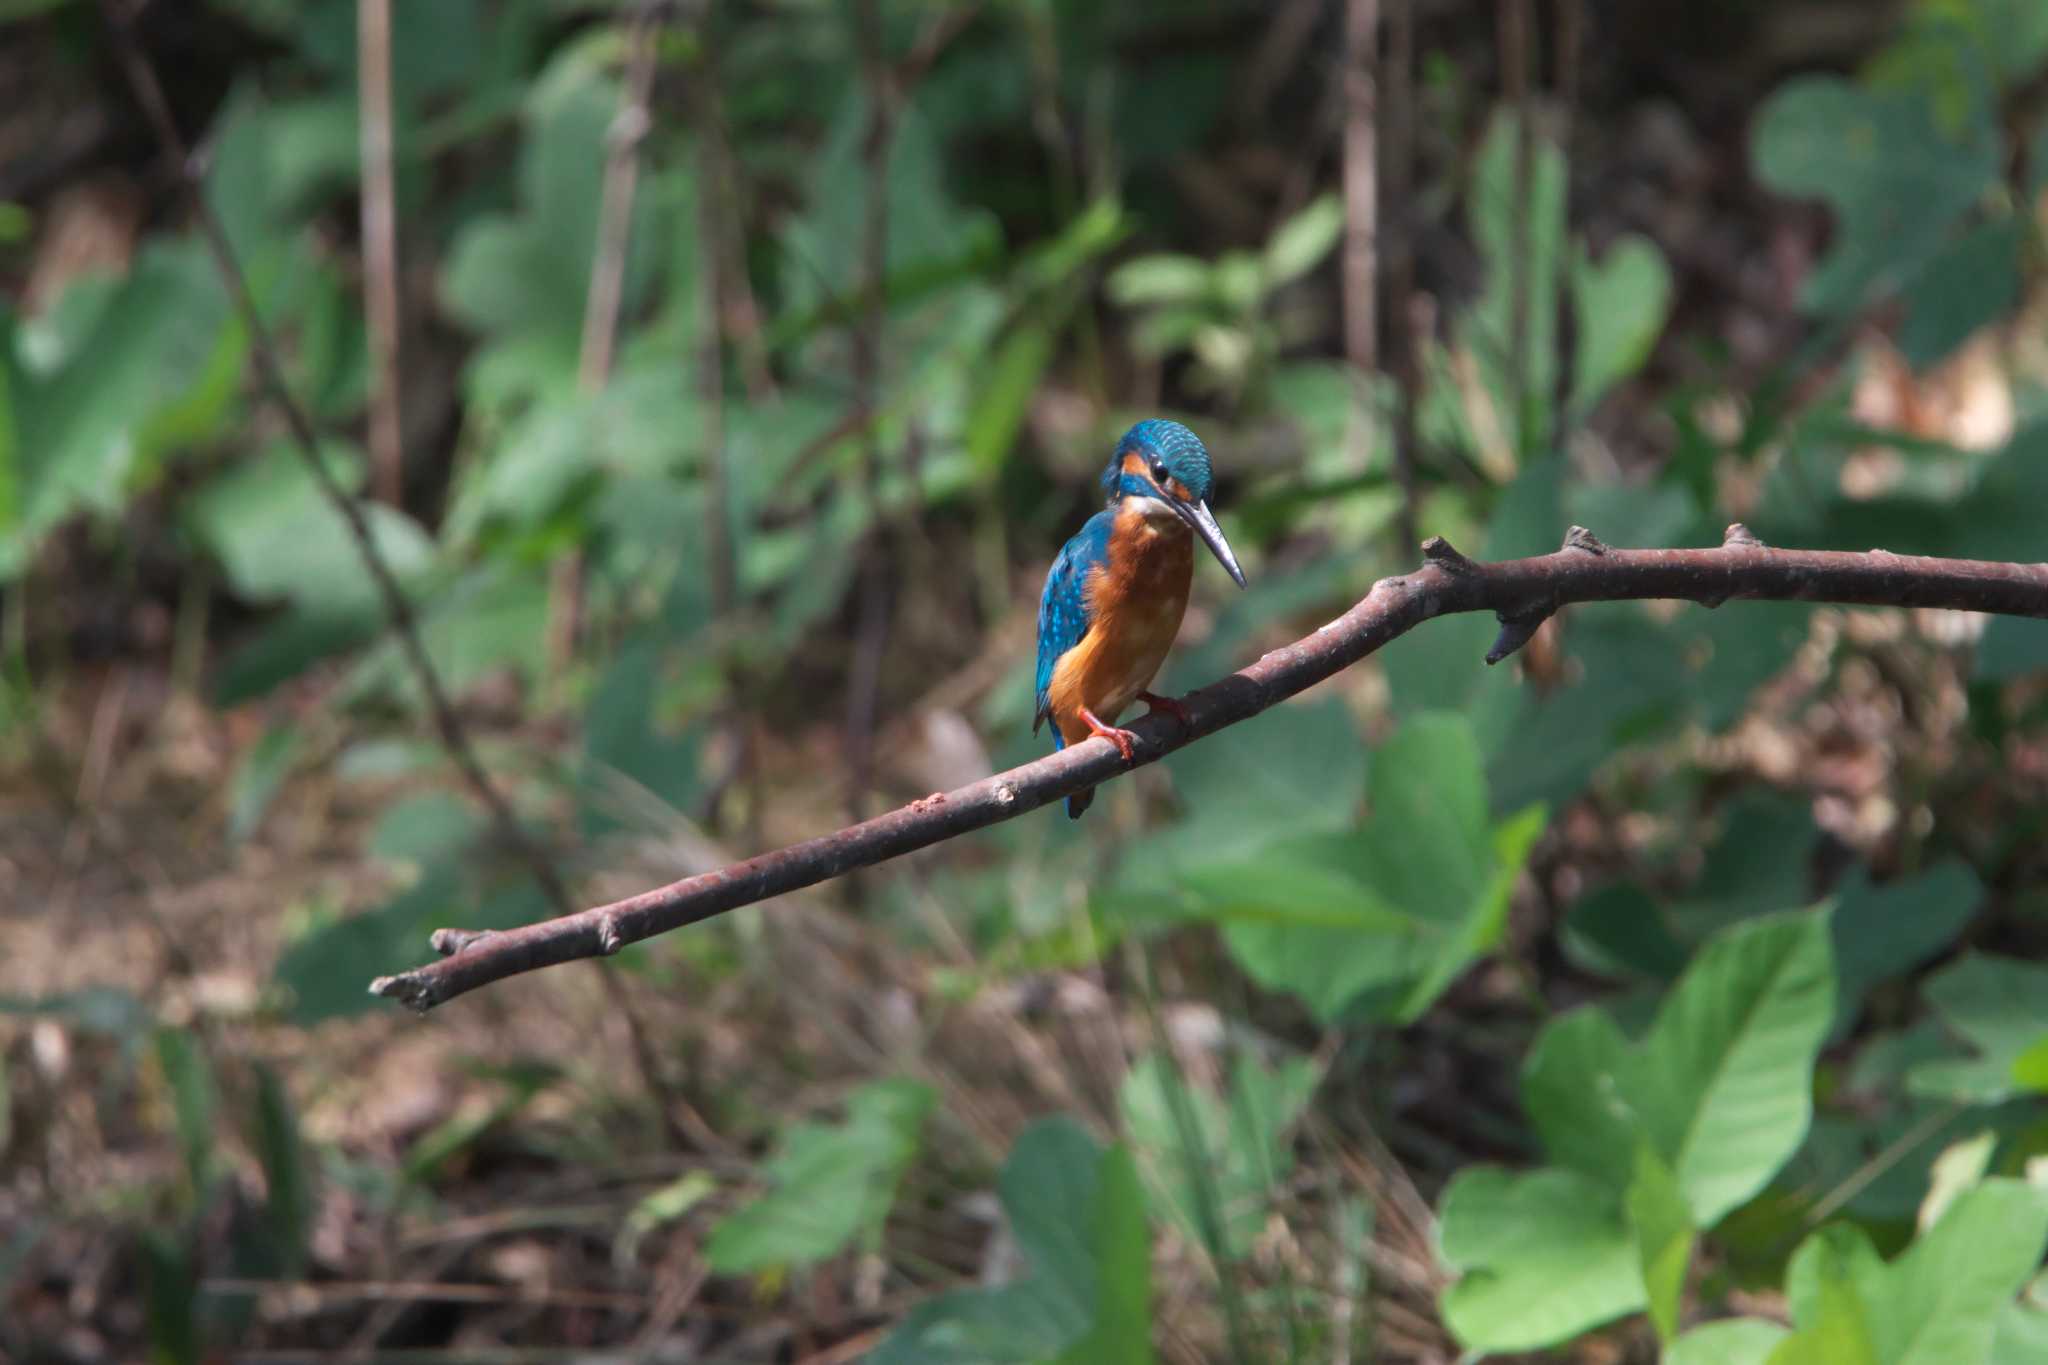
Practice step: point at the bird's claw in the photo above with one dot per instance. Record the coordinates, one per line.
(1168, 706)
(1123, 739)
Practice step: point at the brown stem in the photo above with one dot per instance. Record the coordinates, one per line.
(1361, 182)
(606, 294)
(380, 247)
(1520, 592)
(149, 93)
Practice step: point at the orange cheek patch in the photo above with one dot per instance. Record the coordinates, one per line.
(1135, 464)
(1179, 490)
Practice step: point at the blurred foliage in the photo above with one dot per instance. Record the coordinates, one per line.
(1598, 1004)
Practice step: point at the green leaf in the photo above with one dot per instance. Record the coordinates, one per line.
(1159, 279)
(1078, 1214)
(1973, 281)
(288, 1194)
(152, 365)
(278, 537)
(1732, 1341)
(324, 971)
(527, 274)
(1897, 182)
(1005, 392)
(830, 1184)
(188, 1075)
(1882, 932)
(1663, 1228)
(1398, 907)
(1301, 243)
(1620, 305)
(1540, 1258)
(1940, 1301)
(1999, 1006)
(1831, 1280)
(1721, 1086)
(423, 829)
(1123, 1248)
(261, 772)
(171, 1290)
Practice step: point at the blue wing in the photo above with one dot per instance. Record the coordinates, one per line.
(1063, 617)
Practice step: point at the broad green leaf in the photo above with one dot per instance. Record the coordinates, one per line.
(1885, 931)
(1727, 1071)
(152, 366)
(1897, 182)
(278, 537)
(2022, 1335)
(1393, 910)
(1302, 242)
(1580, 1088)
(1731, 1341)
(1721, 1086)
(1942, 1300)
(326, 969)
(528, 272)
(829, 1183)
(1831, 1281)
(823, 256)
(1123, 1289)
(1540, 1258)
(1663, 1229)
(1619, 305)
(424, 829)
(1946, 1291)
(1999, 1006)
(1971, 283)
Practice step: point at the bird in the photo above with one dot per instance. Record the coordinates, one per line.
(1114, 597)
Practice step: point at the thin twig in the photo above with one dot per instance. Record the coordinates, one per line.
(1516, 35)
(1407, 334)
(1520, 592)
(864, 686)
(380, 247)
(1361, 183)
(606, 295)
(398, 610)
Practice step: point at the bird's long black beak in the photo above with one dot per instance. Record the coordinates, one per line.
(1198, 515)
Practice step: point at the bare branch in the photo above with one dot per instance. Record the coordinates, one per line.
(149, 93)
(1516, 590)
(380, 246)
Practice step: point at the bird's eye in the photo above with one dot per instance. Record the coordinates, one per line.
(1158, 472)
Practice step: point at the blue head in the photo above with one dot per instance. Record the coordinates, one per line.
(1165, 462)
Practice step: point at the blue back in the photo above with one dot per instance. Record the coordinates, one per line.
(1063, 610)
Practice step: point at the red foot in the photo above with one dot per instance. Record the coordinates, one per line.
(1123, 739)
(1170, 707)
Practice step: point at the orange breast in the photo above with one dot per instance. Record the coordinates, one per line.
(1136, 602)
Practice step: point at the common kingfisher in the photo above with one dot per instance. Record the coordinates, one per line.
(1115, 596)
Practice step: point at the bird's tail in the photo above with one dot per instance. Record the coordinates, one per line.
(1078, 802)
